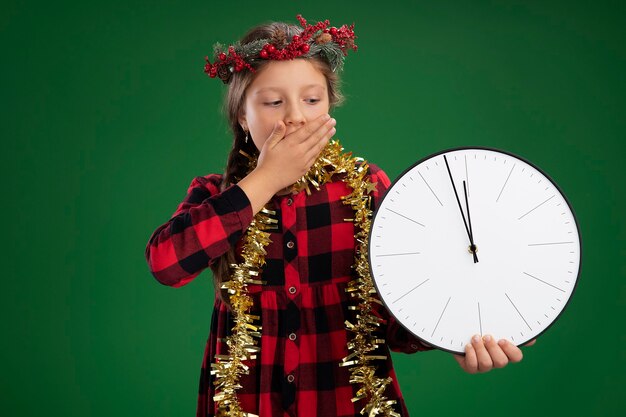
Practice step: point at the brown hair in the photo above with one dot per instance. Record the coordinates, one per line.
(279, 33)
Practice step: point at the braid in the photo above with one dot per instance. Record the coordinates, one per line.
(237, 163)
(236, 166)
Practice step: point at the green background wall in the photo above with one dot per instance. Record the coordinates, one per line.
(107, 116)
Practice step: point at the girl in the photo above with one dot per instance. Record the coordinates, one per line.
(272, 229)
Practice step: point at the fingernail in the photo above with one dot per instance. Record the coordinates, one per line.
(476, 338)
(487, 338)
(502, 342)
(327, 116)
(333, 121)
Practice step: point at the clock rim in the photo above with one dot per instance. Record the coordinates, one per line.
(486, 148)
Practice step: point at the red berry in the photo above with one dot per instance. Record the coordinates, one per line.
(222, 56)
(271, 48)
(263, 54)
(296, 38)
(305, 47)
(333, 31)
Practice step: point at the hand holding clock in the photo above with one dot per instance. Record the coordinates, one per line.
(484, 354)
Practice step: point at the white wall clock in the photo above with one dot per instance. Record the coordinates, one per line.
(474, 240)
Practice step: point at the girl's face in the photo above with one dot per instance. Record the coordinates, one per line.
(293, 91)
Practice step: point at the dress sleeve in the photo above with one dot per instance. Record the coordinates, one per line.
(206, 224)
(398, 338)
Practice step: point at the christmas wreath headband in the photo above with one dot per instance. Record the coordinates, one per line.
(331, 43)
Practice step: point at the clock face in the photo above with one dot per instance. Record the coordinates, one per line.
(508, 267)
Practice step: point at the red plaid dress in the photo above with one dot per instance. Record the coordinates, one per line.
(303, 306)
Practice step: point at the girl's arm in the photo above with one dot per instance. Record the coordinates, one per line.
(209, 222)
(206, 224)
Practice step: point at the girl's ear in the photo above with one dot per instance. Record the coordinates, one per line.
(243, 122)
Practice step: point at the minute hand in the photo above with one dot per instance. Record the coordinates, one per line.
(469, 235)
(469, 221)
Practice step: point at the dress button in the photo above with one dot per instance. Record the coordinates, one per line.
(290, 201)
(290, 378)
(292, 336)
(292, 290)
(290, 244)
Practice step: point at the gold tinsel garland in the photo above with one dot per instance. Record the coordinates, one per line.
(242, 344)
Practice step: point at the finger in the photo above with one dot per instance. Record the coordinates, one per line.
(278, 133)
(511, 351)
(498, 357)
(323, 133)
(460, 359)
(532, 342)
(317, 133)
(470, 360)
(314, 151)
(310, 128)
(484, 360)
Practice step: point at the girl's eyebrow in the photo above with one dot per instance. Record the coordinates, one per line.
(264, 89)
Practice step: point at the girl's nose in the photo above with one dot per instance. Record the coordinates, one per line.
(294, 116)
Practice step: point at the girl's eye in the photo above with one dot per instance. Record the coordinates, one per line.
(276, 103)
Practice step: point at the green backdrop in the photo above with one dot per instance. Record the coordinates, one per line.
(107, 116)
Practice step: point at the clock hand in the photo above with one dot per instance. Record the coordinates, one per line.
(459, 202)
(472, 247)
